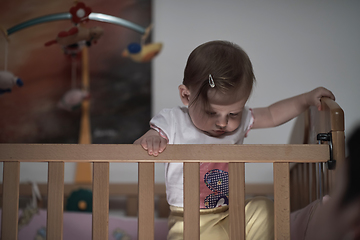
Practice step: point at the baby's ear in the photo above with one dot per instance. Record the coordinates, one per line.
(184, 94)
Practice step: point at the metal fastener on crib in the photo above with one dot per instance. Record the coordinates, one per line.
(327, 137)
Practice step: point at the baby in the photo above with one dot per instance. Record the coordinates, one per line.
(218, 80)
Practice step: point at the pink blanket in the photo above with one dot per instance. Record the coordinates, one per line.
(77, 226)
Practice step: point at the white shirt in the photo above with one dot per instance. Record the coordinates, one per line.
(175, 124)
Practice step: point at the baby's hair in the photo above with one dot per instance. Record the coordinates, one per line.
(228, 65)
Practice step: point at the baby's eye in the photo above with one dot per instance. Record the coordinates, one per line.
(210, 113)
(234, 114)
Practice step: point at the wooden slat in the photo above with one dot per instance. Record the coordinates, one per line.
(146, 201)
(306, 190)
(237, 200)
(300, 182)
(282, 201)
(55, 207)
(173, 153)
(313, 183)
(100, 218)
(295, 201)
(10, 207)
(191, 201)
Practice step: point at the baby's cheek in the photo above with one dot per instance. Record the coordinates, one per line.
(233, 125)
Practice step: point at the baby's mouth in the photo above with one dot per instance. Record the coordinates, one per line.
(220, 132)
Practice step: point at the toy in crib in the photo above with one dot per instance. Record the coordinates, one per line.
(8, 80)
(141, 52)
(41, 234)
(72, 99)
(120, 234)
(31, 209)
(80, 200)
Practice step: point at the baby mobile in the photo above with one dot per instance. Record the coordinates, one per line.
(7, 79)
(73, 40)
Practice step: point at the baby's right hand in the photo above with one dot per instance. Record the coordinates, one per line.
(152, 142)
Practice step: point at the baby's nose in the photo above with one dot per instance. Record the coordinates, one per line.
(222, 122)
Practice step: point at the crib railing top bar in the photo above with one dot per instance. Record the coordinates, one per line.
(173, 153)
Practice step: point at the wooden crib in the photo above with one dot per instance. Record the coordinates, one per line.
(330, 120)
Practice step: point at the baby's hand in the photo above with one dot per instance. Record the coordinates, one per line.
(152, 142)
(313, 97)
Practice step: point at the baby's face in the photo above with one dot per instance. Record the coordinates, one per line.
(223, 115)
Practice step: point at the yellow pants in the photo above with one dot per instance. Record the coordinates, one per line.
(214, 223)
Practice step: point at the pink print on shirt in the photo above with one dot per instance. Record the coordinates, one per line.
(214, 185)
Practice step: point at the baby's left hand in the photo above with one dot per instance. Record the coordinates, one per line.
(313, 97)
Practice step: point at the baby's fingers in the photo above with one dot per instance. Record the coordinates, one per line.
(153, 146)
(320, 92)
(162, 146)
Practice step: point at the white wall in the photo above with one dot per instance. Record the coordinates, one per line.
(295, 46)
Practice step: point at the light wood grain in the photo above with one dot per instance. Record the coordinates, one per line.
(174, 153)
(54, 230)
(191, 201)
(100, 218)
(237, 200)
(10, 209)
(282, 201)
(146, 201)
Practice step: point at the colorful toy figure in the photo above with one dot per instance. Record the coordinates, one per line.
(120, 234)
(141, 52)
(73, 99)
(76, 37)
(7, 81)
(80, 13)
(41, 234)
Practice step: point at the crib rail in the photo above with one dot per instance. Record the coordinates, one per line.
(101, 155)
(305, 176)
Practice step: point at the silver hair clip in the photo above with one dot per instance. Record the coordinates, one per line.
(211, 81)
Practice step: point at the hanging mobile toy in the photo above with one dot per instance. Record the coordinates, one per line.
(74, 39)
(8, 79)
(142, 52)
(72, 99)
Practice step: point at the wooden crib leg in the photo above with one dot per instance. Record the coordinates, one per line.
(282, 201)
(10, 207)
(55, 207)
